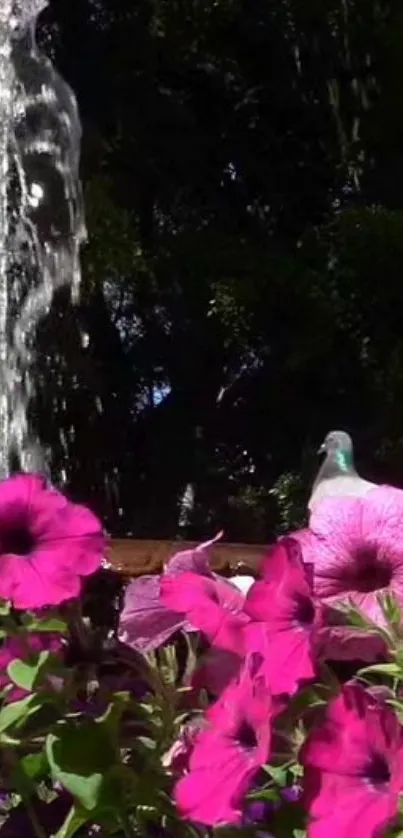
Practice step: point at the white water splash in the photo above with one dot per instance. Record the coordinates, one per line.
(41, 215)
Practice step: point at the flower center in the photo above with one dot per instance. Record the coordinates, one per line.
(305, 611)
(247, 736)
(16, 540)
(371, 574)
(378, 771)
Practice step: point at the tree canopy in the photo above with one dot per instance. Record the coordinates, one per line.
(242, 284)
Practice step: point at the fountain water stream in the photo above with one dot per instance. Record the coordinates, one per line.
(41, 215)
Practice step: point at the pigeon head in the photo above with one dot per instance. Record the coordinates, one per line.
(338, 446)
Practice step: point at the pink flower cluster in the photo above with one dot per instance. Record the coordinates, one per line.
(270, 643)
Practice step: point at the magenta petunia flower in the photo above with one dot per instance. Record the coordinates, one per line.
(229, 752)
(356, 547)
(285, 620)
(146, 622)
(46, 543)
(353, 767)
(213, 606)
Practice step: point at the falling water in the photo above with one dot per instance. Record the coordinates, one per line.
(41, 215)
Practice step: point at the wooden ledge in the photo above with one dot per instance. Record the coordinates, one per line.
(133, 557)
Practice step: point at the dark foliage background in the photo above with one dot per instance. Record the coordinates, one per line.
(242, 285)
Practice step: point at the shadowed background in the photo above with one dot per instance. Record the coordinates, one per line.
(242, 285)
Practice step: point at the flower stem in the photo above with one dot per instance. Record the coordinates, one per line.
(33, 817)
(78, 629)
(125, 826)
(11, 761)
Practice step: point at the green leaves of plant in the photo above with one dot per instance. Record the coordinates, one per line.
(5, 607)
(18, 711)
(79, 756)
(390, 669)
(75, 819)
(35, 765)
(51, 623)
(84, 758)
(28, 771)
(27, 674)
(278, 774)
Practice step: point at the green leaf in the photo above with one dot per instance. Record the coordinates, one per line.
(168, 666)
(120, 785)
(5, 608)
(355, 616)
(49, 624)
(147, 743)
(390, 669)
(271, 794)
(26, 674)
(35, 765)
(297, 771)
(390, 608)
(278, 774)
(79, 758)
(18, 711)
(27, 772)
(75, 819)
(112, 716)
(286, 821)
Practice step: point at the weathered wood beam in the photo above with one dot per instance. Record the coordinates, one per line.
(133, 557)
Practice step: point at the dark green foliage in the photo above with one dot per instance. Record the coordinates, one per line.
(243, 175)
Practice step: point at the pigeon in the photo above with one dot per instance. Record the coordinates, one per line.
(337, 474)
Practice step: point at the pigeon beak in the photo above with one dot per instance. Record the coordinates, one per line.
(322, 449)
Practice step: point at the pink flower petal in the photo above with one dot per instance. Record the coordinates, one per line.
(338, 809)
(355, 724)
(353, 766)
(247, 697)
(228, 753)
(211, 605)
(284, 619)
(46, 543)
(147, 621)
(283, 558)
(342, 643)
(30, 588)
(284, 595)
(382, 519)
(356, 547)
(193, 561)
(213, 795)
(54, 518)
(81, 556)
(145, 624)
(279, 606)
(340, 518)
(288, 657)
(188, 591)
